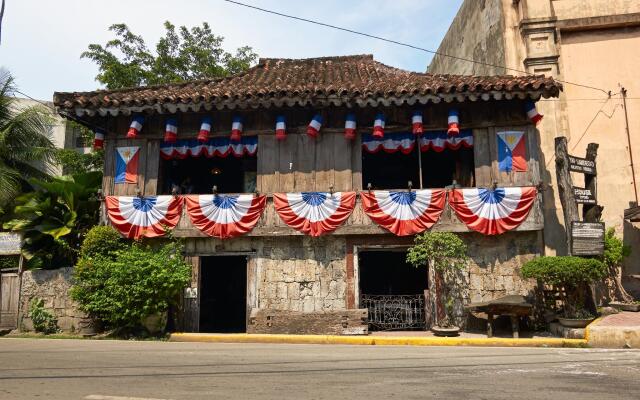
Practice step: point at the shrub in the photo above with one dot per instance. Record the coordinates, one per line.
(137, 282)
(573, 274)
(102, 241)
(43, 320)
(614, 250)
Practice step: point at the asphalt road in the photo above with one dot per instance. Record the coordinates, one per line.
(119, 370)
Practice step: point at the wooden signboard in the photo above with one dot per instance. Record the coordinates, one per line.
(582, 165)
(587, 238)
(584, 196)
(9, 244)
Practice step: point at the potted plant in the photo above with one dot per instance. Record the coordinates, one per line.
(570, 276)
(446, 254)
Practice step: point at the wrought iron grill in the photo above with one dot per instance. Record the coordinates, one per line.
(394, 312)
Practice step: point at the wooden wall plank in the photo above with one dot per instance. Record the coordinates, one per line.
(482, 157)
(267, 181)
(356, 163)
(152, 168)
(324, 163)
(287, 163)
(342, 150)
(304, 160)
(109, 167)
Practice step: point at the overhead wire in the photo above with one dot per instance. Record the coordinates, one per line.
(434, 52)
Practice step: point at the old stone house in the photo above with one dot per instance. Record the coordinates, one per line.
(289, 136)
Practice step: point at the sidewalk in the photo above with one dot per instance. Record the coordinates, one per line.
(620, 330)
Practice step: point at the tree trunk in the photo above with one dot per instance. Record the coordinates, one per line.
(565, 188)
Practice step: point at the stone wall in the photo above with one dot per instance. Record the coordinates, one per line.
(302, 274)
(52, 286)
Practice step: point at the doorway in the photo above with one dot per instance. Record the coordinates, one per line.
(392, 290)
(223, 294)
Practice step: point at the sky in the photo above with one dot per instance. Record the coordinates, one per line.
(42, 39)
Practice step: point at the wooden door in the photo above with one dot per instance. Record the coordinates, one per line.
(9, 288)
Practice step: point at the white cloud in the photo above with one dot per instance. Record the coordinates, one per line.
(42, 39)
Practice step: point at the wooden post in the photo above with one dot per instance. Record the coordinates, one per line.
(565, 188)
(591, 213)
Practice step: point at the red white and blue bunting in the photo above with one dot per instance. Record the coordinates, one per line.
(135, 127)
(225, 216)
(135, 217)
(492, 212)
(216, 147)
(405, 141)
(314, 213)
(404, 213)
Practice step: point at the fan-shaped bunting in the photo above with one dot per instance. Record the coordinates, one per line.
(404, 213)
(137, 217)
(492, 212)
(314, 213)
(225, 216)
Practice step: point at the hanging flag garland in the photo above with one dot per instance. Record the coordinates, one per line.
(438, 141)
(416, 123)
(281, 128)
(404, 213)
(492, 212)
(205, 129)
(350, 127)
(216, 147)
(135, 127)
(98, 139)
(136, 217)
(314, 126)
(225, 216)
(453, 122)
(236, 129)
(171, 130)
(378, 126)
(405, 142)
(314, 213)
(532, 112)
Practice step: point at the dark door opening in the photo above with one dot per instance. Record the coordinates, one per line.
(392, 290)
(223, 294)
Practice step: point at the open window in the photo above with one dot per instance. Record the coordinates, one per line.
(189, 167)
(391, 162)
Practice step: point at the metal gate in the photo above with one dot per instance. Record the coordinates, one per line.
(9, 288)
(395, 312)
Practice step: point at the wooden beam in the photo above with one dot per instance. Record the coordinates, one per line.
(565, 187)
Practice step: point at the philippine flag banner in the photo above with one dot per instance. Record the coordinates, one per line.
(511, 151)
(127, 164)
(404, 213)
(225, 216)
(314, 213)
(136, 217)
(492, 212)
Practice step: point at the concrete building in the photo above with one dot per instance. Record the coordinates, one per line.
(64, 134)
(593, 47)
(268, 271)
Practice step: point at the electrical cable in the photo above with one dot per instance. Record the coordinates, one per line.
(311, 21)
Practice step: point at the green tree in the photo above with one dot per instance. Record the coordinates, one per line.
(55, 217)
(181, 55)
(74, 162)
(24, 142)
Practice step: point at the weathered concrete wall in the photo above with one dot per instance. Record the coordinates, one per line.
(477, 32)
(571, 9)
(52, 286)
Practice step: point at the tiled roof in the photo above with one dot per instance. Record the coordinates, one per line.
(352, 80)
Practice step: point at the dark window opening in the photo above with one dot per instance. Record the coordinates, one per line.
(223, 294)
(388, 273)
(440, 169)
(198, 175)
(389, 170)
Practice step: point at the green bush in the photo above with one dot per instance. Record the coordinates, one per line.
(614, 250)
(43, 321)
(137, 282)
(102, 241)
(9, 262)
(565, 270)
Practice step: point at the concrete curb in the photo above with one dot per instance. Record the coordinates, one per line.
(375, 340)
(612, 337)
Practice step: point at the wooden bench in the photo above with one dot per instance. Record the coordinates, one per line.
(513, 305)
